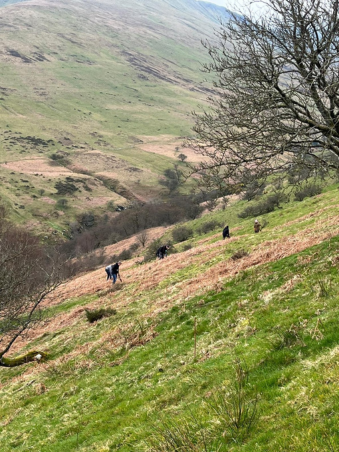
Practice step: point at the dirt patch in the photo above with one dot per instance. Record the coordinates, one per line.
(37, 167)
(47, 200)
(97, 161)
(168, 150)
(97, 201)
(166, 146)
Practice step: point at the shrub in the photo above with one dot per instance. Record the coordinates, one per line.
(187, 246)
(87, 262)
(116, 287)
(65, 188)
(134, 247)
(265, 206)
(252, 190)
(152, 250)
(62, 203)
(239, 254)
(208, 226)
(143, 238)
(182, 157)
(93, 316)
(182, 233)
(289, 338)
(189, 433)
(125, 255)
(307, 192)
(236, 409)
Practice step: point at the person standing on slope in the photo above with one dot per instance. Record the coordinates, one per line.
(115, 272)
(162, 251)
(226, 232)
(257, 226)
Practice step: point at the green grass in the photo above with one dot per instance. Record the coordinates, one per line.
(104, 84)
(112, 77)
(278, 318)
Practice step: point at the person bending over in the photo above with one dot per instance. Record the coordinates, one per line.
(162, 251)
(116, 272)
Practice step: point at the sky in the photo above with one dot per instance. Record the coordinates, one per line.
(237, 5)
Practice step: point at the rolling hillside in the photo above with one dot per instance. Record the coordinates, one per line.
(95, 90)
(251, 320)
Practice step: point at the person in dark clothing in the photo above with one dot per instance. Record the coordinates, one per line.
(162, 251)
(226, 232)
(115, 272)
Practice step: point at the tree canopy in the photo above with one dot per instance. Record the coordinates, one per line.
(276, 100)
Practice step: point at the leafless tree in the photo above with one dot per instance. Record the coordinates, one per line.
(28, 273)
(143, 238)
(276, 102)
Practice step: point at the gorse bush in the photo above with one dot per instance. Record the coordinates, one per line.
(182, 233)
(307, 192)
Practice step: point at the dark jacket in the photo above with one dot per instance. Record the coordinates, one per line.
(226, 232)
(115, 269)
(161, 253)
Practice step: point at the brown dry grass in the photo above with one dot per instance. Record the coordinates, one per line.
(146, 278)
(36, 166)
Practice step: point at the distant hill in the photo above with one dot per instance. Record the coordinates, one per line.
(98, 92)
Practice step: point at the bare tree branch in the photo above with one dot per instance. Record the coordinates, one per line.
(277, 101)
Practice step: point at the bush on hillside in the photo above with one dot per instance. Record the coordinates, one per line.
(297, 174)
(208, 226)
(97, 314)
(87, 262)
(252, 190)
(152, 249)
(182, 233)
(65, 188)
(106, 230)
(125, 255)
(239, 254)
(134, 247)
(289, 338)
(307, 192)
(62, 203)
(187, 246)
(117, 286)
(265, 206)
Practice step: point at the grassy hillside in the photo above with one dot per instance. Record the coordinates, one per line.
(116, 77)
(193, 334)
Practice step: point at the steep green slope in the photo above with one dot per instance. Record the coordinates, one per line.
(138, 375)
(105, 75)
